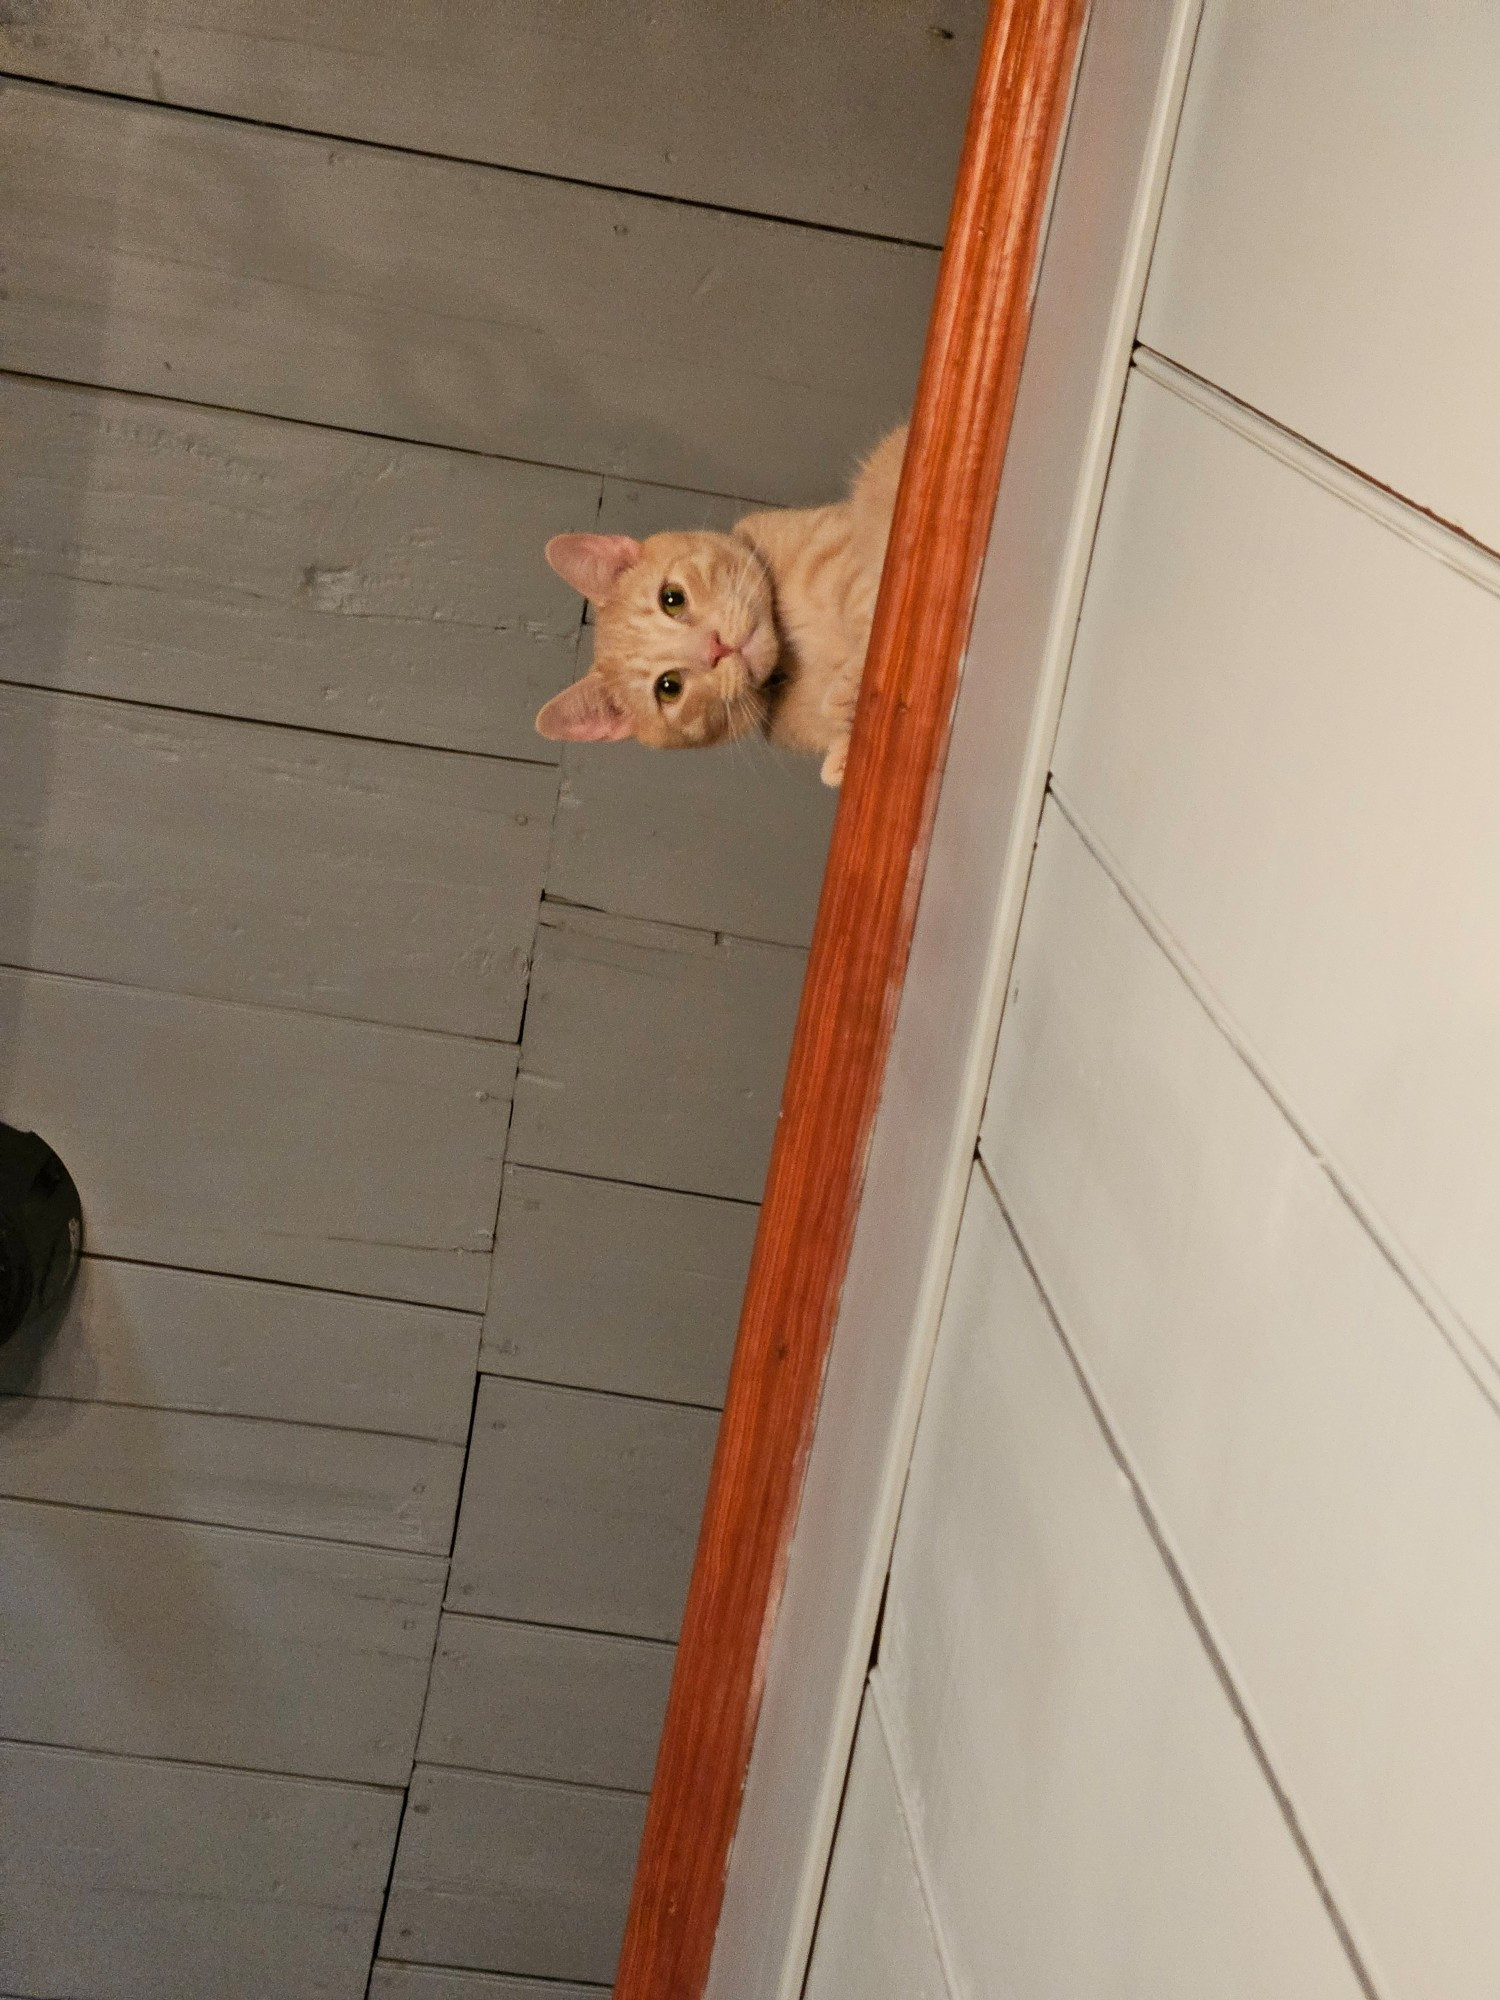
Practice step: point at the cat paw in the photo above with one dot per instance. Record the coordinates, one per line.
(834, 762)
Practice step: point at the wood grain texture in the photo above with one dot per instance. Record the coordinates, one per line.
(195, 855)
(653, 1054)
(234, 565)
(943, 512)
(509, 1875)
(1081, 1792)
(165, 1639)
(182, 1340)
(1279, 727)
(875, 1938)
(580, 1509)
(529, 1701)
(1328, 250)
(241, 1472)
(732, 839)
(601, 1285)
(446, 303)
(1326, 1467)
(440, 1982)
(278, 1145)
(148, 1881)
(866, 100)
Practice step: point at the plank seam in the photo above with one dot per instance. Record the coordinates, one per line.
(327, 1542)
(170, 109)
(10, 1396)
(573, 1631)
(549, 1382)
(283, 1284)
(621, 478)
(530, 1777)
(236, 719)
(200, 1764)
(1475, 1360)
(278, 1010)
(1184, 1592)
(540, 1980)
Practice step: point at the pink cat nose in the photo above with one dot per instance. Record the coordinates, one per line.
(717, 649)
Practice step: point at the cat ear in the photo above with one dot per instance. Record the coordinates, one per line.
(593, 563)
(586, 712)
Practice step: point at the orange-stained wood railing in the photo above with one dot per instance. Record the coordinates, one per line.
(960, 424)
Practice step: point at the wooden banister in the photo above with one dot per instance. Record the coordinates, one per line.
(960, 424)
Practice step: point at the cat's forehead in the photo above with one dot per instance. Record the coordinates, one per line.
(689, 554)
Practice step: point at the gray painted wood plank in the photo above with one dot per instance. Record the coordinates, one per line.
(637, 507)
(440, 1982)
(235, 565)
(731, 839)
(130, 1880)
(512, 1875)
(361, 1158)
(580, 1509)
(239, 1472)
(602, 1285)
(447, 303)
(199, 855)
(166, 1639)
(184, 1340)
(533, 1702)
(654, 1055)
(866, 101)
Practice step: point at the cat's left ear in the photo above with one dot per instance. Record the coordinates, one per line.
(586, 712)
(593, 564)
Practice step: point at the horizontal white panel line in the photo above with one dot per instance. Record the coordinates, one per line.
(1476, 1361)
(901, 1786)
(173, 107)
(1425, 531)
(201, 1764)
(251, 414)
(1189, 1602)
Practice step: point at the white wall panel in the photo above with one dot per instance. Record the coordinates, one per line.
(1091, 1815)
(1281, 725)
(1328, 250)
(1322, 1461)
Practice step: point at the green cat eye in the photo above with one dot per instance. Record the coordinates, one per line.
(673, 599)
(668, 687)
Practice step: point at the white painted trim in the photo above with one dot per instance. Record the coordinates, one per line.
(1128, 94)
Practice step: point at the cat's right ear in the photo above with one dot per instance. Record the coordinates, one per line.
(593, 564)
(586, 712)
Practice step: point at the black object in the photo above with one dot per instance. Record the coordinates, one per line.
(41, 1230)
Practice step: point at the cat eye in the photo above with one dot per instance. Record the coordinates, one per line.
(673, 599)
(668, 687)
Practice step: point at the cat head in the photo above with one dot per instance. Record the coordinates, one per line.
(684, 640)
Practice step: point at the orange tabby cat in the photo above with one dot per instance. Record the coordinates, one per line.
(701, 637)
